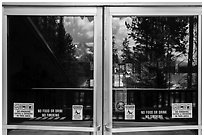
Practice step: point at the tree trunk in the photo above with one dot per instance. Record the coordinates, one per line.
(190, 53)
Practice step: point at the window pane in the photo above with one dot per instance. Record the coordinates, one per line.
(50, 51)
(50, 68)
(155, 52)
(155, 69)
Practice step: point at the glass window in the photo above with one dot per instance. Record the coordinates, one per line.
(155, 68)
(50, 69)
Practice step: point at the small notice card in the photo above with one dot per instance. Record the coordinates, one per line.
(77, 112)
(23, 110)
(181, 110)
(129, 112)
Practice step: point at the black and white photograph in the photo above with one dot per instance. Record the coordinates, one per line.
(101, 68)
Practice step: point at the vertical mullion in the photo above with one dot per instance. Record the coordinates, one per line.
(98, 72)
(107, 112)
(199, 76)
(4, 67)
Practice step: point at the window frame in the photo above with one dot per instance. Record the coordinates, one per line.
(102, 13)
(49, 10)
(156, 10)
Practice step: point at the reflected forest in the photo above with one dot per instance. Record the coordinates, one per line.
(155, 52)
(76, 59)
(55, 57)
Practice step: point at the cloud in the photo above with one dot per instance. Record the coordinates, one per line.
(80, 28)
(120, 30)
(119, 27)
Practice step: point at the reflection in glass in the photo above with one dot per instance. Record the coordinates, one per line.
(50, 64)
(154, 65)
(155, 52)
(69, 43)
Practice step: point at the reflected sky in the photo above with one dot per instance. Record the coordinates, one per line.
(80, 28)
(120, 32)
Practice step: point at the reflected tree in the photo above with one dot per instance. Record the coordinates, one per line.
(60, 42)
(115, 52)
(127, 55)
(192, 58)
(157, 39)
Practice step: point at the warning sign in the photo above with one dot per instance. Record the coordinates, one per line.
(120, 106)
(77, 112)
(153, 114)
(181, 110)
(129, 112)
(23, 110)
(120, 100)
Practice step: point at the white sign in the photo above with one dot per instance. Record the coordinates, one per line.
(23, 110)
(181, 110)
(77, 112)
(129, 112)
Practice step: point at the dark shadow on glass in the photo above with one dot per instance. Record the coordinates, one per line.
(50, 64)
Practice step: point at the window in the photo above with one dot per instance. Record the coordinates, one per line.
(102, 69)
(155, 65)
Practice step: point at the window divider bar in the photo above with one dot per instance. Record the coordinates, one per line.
(107, 112)
(56, 128)
(50, 11)
(4, 70)
(114, 4)
(199, 75)
(98, 68)
(146, 89)
(62, 89)
(160, 128)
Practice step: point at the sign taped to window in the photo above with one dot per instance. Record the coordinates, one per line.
(129, 112)
(120, 100)
(77, 112)
(23, 110)
(153, 114)
(181, 110)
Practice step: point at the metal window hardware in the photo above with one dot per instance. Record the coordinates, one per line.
(107, 128)
(98, 128)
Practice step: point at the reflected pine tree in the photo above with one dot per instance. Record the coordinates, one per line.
(61, 44)
(192, 58)
(115, 52)
(156, 40)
